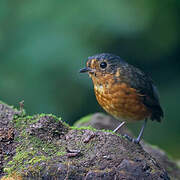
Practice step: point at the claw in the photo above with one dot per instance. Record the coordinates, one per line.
(128, 137)
(136, 141)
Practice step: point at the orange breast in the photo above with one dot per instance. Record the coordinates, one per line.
(120, 100)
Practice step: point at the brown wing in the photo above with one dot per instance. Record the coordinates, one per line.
(144, 85)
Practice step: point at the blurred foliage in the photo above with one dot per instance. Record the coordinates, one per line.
(44, 43)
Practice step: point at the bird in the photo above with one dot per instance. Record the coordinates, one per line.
(124, 91)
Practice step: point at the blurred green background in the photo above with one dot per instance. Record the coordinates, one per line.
(43, 44)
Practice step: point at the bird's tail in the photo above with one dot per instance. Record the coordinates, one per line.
(157, 114)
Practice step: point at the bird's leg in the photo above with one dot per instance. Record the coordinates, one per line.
(140, 134)
(120, 125)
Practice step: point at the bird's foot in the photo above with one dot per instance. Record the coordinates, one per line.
(136, 141)
(128, 137)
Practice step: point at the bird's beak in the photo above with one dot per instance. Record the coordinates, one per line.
(85, 70)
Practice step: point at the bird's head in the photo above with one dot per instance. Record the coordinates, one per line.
(102, 64)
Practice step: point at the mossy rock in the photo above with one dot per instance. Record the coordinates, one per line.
(42, 146)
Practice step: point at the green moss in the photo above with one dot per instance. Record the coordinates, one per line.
(37, 159)
(23, 112)
(84, 128)
(83, 120)
(22, 162)
(108, 131)
(153, 170)
(22, 122)
(32, 151)
(93, 129)
(112, 132)
(49, 115)
(61, 153)
(19, 160)
(6, 157)
(31, 154)
(65, 124)
(56, 119)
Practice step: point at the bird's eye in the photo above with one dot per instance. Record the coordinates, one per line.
(103, 65)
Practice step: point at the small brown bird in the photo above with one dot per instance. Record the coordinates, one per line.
(123, 90)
